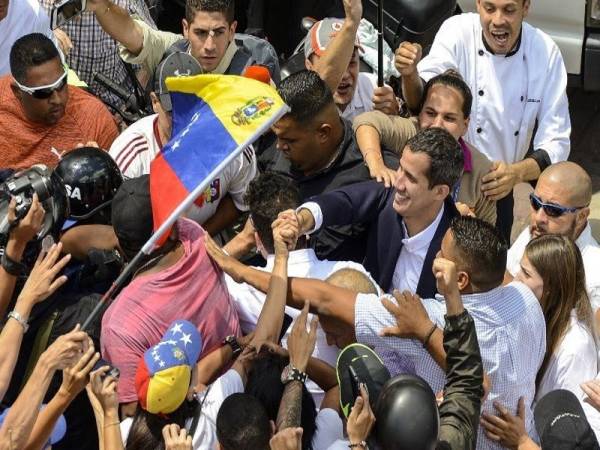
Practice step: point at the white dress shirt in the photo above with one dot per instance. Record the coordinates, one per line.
(574, 361)
(511, 331)
(301, 263)
(590, 253)
(509, 92)
(412, 256)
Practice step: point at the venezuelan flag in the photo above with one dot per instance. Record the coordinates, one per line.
(214, 118)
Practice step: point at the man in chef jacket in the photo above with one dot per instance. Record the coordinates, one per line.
(517, 77)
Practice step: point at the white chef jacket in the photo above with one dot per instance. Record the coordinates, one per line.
(509, 92)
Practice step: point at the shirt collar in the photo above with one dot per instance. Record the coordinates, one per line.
(302, 256)
(226, 59)
(477, 298)
(509, 54)
(422, 239)
(585, 238)
(468, 158)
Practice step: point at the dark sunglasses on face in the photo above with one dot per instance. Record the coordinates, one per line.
(44, 92)
(551, 209)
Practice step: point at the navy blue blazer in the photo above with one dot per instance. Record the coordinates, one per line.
(370, 202)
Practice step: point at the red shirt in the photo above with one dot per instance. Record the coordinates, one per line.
(192, 289)
(24, 143)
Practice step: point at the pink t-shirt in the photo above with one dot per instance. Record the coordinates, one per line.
(193, 289)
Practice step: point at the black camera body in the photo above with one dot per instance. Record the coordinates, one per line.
(51, 193)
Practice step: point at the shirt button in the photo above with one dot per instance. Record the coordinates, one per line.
(480, 92)
(480, 52)
(479, 130)
(517, 133)
(522, 98)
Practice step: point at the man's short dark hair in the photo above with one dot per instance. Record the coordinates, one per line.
(226, 7)
(243, 424)
(482, 251)
(451, 79)
(29, 51)
(267, 196)
(306, 94)
(445, 154)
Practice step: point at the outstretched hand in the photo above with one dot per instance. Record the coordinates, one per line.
(407, 57)
(301, 343)
(225, 262)
(411, 317)
(76, 377)
(506, 429)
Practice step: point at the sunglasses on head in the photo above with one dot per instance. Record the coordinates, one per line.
(551, 209)
(43, 92)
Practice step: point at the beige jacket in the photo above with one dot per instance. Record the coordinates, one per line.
(395, 131)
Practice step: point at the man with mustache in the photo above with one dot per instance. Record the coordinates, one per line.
(560, 204)
(517, 77)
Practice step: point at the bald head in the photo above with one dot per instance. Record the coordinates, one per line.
(572, 179)
(354, 280)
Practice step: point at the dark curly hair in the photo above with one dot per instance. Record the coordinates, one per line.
(267, 196)
(306, 94)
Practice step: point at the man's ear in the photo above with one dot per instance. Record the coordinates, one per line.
(155, 101)
(186, 27)
(232, 29)
(273, 428)
(324, 132)
(464, 280)
(18, 93)
(441, 191)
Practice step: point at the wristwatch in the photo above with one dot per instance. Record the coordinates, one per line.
(290, 373)
(19, 318)
(233, 343)
(13, 267)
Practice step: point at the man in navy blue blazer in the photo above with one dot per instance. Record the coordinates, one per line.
(406, 222)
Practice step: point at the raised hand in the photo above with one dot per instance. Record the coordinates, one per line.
(384, 100)
(287, 439)
(75, 378)
(104, 389)
(43, 281)
(361, 418)
(353, 10)
(447, 284)
(176, 438)
(225, 262)
(301, 343)
(65, 350)
(407, 57)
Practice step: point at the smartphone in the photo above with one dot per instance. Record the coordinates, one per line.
(65, 10)
(112, 371)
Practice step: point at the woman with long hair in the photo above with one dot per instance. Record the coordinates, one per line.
(552, 268)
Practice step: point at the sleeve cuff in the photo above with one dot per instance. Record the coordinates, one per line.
(316, 212)
(542, 158)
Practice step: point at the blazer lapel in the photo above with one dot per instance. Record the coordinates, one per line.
(427, 286)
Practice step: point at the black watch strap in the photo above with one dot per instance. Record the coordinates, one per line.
(233, 343)
(13, 267)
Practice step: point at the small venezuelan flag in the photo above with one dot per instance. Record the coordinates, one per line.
(214, 118)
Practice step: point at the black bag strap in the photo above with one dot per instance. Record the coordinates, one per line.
(197, 413)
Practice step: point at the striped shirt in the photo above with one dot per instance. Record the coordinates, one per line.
(512, 337)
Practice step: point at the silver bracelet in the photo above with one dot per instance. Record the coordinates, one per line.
(19, 318)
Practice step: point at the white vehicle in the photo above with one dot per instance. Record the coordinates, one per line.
(575, 27)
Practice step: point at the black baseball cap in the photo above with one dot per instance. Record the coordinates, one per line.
(132, 214)
(358, 364)
(561, 423)
(177, 64)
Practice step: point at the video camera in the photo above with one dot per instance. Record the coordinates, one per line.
(51, 193)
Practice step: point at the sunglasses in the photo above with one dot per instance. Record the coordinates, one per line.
(44, 92)
(551, 209)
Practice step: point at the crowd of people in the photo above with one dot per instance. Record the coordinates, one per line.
(346, 281)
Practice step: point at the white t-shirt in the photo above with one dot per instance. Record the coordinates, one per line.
(23, 17)
(574, 361)
(136, 147)
(301, 263)
(330, 428)
(205, 437)
(590, 253)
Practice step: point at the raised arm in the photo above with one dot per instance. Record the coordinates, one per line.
(118, 24)
(334, 62)
(407, 57)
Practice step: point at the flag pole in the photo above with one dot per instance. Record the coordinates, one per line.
(380, 43)
(148, 247)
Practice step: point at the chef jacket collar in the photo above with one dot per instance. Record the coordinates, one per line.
(512, 52)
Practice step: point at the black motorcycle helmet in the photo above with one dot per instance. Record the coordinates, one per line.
(51, 193)
(91, 178)
(407, 415)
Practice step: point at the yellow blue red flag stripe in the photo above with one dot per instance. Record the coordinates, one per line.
(214, 118)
